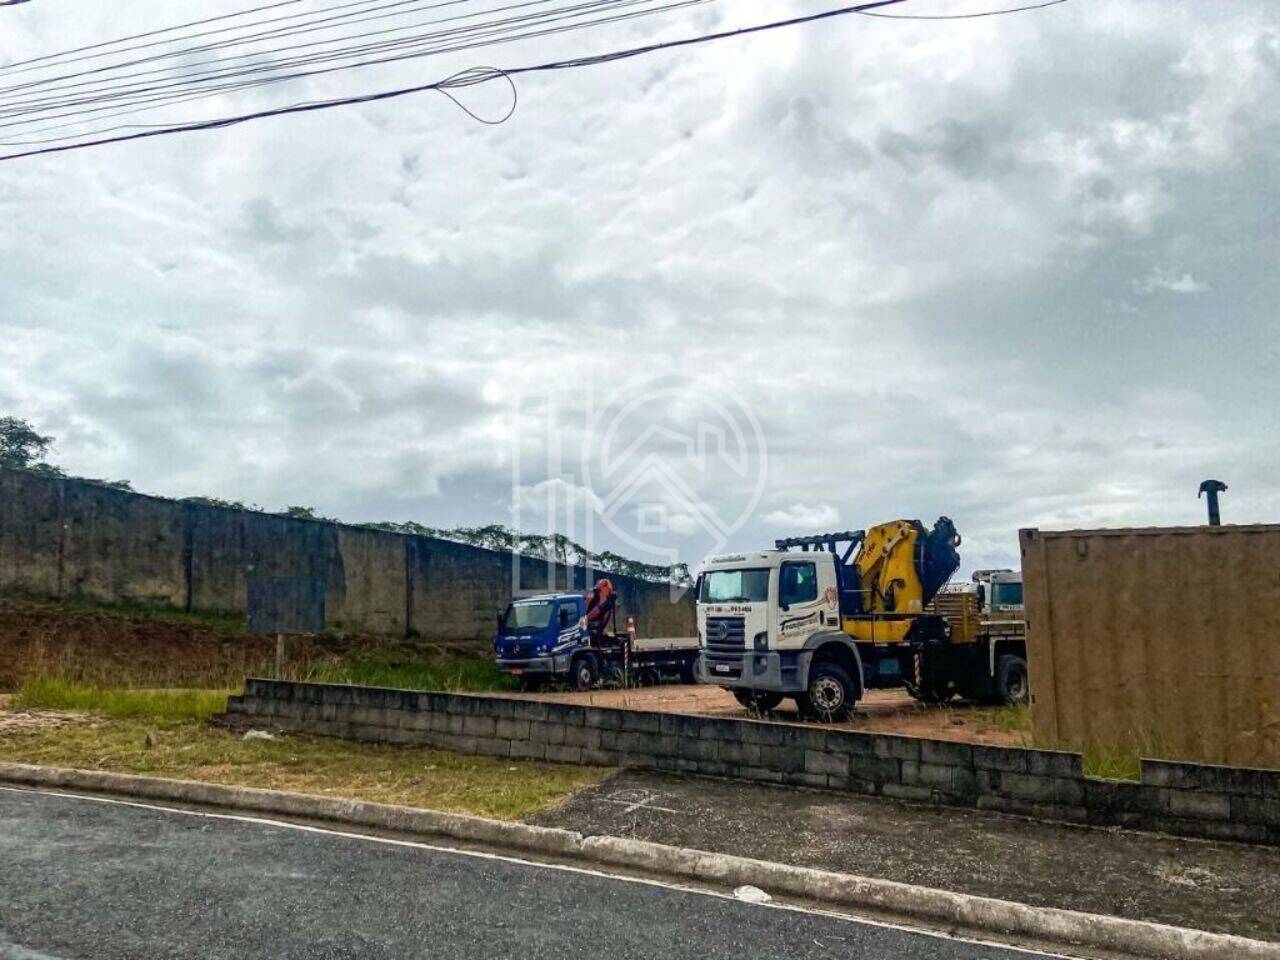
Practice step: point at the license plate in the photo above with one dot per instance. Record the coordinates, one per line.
(516, 671)
(723, 668)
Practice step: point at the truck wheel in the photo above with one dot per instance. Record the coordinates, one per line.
(1012, 681)
(757, 701)
(585, 672)
(831, 693)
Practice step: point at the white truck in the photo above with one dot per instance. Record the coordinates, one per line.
(822, 619)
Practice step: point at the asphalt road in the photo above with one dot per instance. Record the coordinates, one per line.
(83, 878)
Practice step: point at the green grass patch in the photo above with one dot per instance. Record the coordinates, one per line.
(414, 672)
(1109, 763)
(163, 706)
(431, 779)
(1119, 758)
(1122, 759)
(1014, 719)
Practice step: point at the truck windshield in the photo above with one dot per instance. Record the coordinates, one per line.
(527, 616)
(735, 586)
(1006, 594)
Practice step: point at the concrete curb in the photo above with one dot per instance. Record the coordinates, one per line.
(1066, 928)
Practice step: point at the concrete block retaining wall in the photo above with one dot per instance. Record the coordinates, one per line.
(1184, 799)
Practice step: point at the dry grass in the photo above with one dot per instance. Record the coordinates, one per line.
(431, 779)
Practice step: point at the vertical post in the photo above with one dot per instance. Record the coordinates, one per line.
(1211, 489)
(279, 656)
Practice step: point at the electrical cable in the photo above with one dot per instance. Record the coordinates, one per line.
(149, 33)
(222, 64)
(485, 32)
(304, 27)
(465, 79)
(965, 16)
(40, 104)
(479, 75)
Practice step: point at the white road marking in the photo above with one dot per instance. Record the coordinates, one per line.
(634, 800)
(565, 868)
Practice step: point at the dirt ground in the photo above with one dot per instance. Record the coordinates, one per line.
(22, 721)
(103, 645)
(159, 648)
(881, 711)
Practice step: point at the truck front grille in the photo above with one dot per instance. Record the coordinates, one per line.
(726, 636)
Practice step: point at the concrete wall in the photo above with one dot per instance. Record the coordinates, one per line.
(73, 539)
(1185, 799)
(1165, 638)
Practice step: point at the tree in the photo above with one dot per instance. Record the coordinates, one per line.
(21, 448)
(223, 504)
(307, 513)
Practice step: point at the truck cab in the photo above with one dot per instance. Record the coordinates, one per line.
(1001, 593)
(765, 620)
(537, 636)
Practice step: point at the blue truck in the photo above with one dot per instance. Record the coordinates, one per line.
(544, 638)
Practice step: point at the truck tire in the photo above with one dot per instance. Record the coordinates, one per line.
(757, 701)
(1012, 681)
(830, 695)
(585, 672)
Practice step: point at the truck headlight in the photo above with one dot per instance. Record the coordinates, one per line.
(762, 641)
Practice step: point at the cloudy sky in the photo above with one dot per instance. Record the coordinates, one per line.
(1021, 271)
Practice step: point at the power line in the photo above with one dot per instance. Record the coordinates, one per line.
(222, 66)
(417, 45)
(965, 16)
(466, 79)
(149, 33)
(471, 37)
(303, 27)
(479, 75)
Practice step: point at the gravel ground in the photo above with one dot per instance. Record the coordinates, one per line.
(1226, 888)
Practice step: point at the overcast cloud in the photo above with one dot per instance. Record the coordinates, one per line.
(1020, 271)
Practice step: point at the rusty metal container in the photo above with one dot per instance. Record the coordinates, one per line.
(1164, 639)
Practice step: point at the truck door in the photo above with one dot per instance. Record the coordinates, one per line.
(568, 616)
(806, 604)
